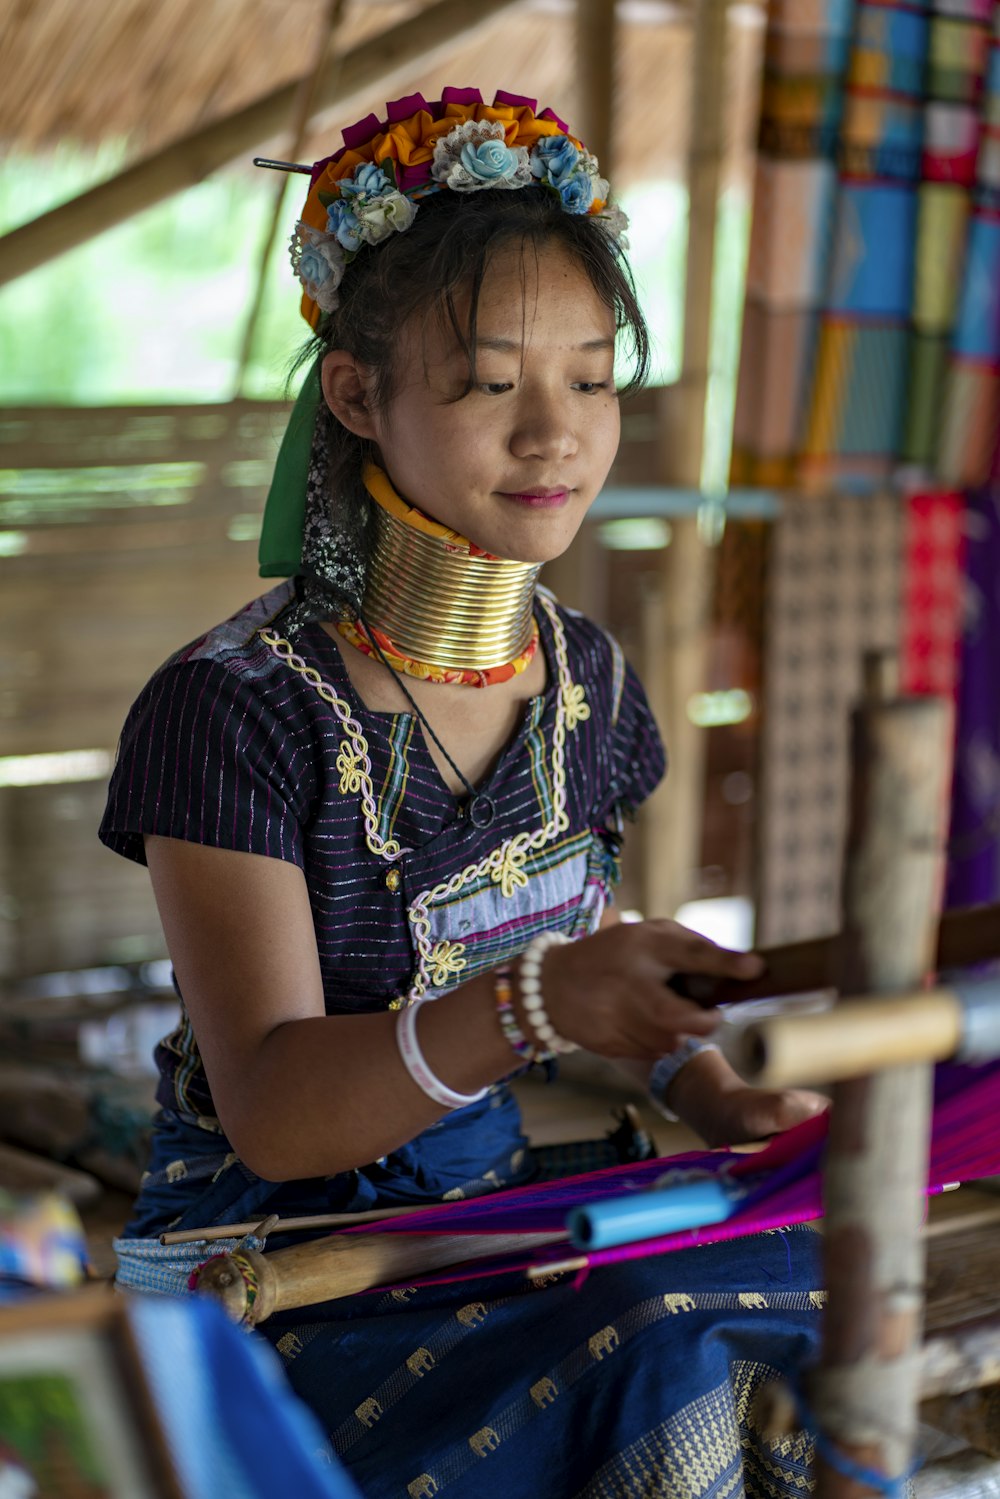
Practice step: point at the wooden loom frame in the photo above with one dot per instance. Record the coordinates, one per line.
(874, 1372)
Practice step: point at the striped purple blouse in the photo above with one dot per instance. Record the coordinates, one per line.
(231, 744)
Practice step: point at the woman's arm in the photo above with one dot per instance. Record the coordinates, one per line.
(298, 1093)
(302, 1094)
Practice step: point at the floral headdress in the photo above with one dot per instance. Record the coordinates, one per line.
(373, 185)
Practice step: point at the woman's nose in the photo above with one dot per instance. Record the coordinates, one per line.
(544, 430)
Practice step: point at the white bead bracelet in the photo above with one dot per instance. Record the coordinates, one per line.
(529, 980)
(416, 1065)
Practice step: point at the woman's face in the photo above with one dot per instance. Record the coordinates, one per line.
(516, 463)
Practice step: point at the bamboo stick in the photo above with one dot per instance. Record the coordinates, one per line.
(305, 104)
(866, 1390)
(850, 1040)
(215, 1231)
(371, 64)
(253, 1286)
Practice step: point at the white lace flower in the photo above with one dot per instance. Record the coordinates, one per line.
(475, 155)
(379, 217)
(615, 222)
(319, 262)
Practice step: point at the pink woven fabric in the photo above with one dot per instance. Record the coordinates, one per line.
(783, 1182)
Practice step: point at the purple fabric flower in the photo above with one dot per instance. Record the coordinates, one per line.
(412, 177)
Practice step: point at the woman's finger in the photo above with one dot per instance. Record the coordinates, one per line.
(695, 954)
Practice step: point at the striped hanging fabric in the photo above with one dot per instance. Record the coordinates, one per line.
(872, 329)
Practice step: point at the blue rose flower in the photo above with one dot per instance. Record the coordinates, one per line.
(554, 158)
(491, 161)
(314, 268)
(577, 193)
(342, 222)
(369, 179)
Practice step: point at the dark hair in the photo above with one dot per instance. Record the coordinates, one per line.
(445, 253)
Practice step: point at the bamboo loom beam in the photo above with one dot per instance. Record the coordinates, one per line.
(965, 938)
(866, 1390)
(252, 1286)
(860, 1035)
(372, 63)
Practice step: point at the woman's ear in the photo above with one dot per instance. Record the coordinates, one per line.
(346, 391)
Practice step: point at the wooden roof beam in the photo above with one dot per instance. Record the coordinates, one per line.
(188, 161)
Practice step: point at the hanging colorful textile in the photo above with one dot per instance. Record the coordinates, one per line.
(806, 51)
(833, 592)
(871, 337)
(932, 593)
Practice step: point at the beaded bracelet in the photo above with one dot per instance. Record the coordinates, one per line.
(416, 1065)
(513, 1033)
(530, 983)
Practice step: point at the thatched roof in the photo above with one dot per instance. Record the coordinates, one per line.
(93, 70)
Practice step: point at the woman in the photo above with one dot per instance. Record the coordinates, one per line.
(382, 810)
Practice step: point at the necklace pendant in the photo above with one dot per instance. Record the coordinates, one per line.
(481, 811)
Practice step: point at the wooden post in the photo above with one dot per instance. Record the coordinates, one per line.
(676, 613)
(867, 1387)
(596, 51)
(373, 63)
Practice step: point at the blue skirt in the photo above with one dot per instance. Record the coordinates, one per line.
(639, 1382)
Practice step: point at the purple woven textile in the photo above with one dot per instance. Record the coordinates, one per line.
(974, 852)
(783, 1182)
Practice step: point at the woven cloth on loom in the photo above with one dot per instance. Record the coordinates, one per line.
(833, 592)
(784, 1183)
(872, 337)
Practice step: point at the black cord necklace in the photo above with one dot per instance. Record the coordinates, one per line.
(481, 807)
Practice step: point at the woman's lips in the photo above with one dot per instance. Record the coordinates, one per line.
(538, 499)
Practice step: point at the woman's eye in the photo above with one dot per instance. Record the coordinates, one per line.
(591, 387)
(496, 387)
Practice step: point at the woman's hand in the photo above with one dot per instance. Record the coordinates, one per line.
(609, 992)
(724, 1110)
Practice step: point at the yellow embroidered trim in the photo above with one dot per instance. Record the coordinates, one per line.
(349, 765)
(437, 963)
(575, 704)
(505, 863)
(352, 761)
(445, 961)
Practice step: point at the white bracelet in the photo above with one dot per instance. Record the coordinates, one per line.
(529, 981)
(416, 1065)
